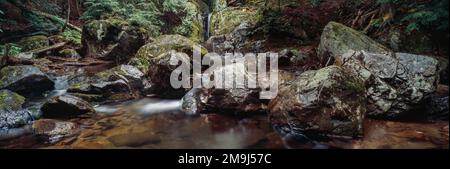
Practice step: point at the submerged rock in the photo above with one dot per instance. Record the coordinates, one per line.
(437, 108)
(109, 40)
(11, 113)
(327, 102)
(53, 131)
(396, 83)
(66, 106)
(338, 39)
(25, 80)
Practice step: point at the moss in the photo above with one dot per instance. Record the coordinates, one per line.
(68, 53)
(72, 36)
(227, 20)
(355, 85)
(34, 42)
(10, 100)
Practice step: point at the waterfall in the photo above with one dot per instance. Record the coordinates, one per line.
(207, 21)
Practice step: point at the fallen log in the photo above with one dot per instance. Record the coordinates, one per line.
(42, 50)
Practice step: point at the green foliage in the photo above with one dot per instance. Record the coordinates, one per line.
(272, 22)
(72, 36)
(143, 13)
(432, 15)
(15, 49)
(96, 8)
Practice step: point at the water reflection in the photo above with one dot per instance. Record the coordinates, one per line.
(158, 124)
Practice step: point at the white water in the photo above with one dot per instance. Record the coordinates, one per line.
(143, 107)
(207, 24)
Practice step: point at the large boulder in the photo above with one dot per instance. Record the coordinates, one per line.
(236, 41)
(11, 113)
(66, 106)
(111, 40)
(338, 39)
(230, 100)
(25, 80)
(326, 102)
(116, 84)
(396, 82)
(154, 59)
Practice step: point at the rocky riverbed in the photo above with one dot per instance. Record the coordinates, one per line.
(112, 90)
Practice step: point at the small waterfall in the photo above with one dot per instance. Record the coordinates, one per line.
(206, 24)
(61, 86)
(207, 21)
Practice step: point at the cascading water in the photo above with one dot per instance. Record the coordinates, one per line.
(207, 20)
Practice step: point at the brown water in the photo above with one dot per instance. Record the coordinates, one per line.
(152, 124)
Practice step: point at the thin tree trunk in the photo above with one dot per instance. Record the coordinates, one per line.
(67, 18)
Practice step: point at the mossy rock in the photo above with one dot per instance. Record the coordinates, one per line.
(225, 21)
(69, 53)
(10, 100)
(337, 39)
(160, 46)
(34, 42)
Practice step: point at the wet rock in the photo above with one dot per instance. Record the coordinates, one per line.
(25, 80)
(338, 39)
(65, 106)
(395, 83)
(34, 42)
(11, 113)
(123, 79)
(53, 131)
(110, 40)
(326, 102)
(13, 118)
(225, 100)
(437, 108)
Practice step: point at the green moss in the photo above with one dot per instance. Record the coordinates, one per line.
(34, 42)
(72, 36)
(225, 21)
(68, 53)
(10, 100)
